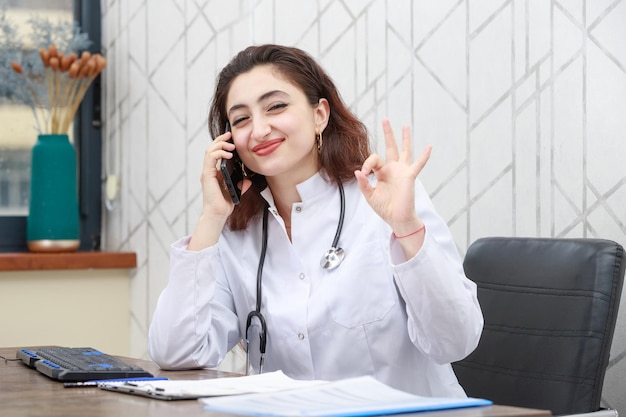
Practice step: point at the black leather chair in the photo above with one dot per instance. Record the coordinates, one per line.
(550, 307)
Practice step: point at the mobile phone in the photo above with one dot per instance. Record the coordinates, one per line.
(232, 173)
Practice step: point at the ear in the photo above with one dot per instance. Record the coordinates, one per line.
(322, 114)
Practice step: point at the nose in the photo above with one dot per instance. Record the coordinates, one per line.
(260, 128)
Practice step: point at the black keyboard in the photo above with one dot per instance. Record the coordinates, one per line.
(78, 364)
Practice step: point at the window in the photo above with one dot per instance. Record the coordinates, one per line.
(87, 138)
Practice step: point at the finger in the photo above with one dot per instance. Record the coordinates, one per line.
(406, 155)
(371, 164)
(391, 153)
(364, 184)
(220, 149)
(224, 137)
(217, 156)
(421, 161)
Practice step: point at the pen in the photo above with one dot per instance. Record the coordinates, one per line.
(94, 383)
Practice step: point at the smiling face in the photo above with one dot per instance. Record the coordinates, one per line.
(274, 126)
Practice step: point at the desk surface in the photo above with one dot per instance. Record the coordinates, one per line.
(25, 392)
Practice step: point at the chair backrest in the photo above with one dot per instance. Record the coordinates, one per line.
(550, 307)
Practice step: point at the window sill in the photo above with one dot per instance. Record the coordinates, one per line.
(28, 261)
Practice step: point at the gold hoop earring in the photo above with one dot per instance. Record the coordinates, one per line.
(245, 173)
(319, 140)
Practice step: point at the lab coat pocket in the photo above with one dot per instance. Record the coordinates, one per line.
(362, 289)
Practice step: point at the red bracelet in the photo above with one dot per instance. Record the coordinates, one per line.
(410, 234)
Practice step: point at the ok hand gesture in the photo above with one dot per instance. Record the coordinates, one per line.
(393, 196)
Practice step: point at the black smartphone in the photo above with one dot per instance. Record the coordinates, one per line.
(232, 173)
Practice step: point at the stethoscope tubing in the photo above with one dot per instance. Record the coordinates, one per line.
(342, 214)
(257, 311)
(259, 278)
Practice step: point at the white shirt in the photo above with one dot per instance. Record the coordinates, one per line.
(402, 321)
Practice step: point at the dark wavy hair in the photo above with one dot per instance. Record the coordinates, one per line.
(345, 139)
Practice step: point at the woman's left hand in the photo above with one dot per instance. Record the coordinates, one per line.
(393, 197)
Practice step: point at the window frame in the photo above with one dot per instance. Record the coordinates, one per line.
(88, 145)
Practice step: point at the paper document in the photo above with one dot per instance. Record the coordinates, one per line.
(188, 389)
(362, 396)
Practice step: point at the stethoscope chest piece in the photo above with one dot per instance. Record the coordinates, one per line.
(332, 258)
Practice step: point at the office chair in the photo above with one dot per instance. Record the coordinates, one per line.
(550, 307)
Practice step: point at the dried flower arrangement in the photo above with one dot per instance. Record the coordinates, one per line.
(52, 76)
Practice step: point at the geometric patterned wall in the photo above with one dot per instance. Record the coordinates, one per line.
(524, 103)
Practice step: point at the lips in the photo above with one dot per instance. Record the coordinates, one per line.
(267, 147)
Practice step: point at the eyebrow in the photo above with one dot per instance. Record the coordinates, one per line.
(263, 97)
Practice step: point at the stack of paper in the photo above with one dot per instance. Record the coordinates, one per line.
(275, 394)
(362, 396)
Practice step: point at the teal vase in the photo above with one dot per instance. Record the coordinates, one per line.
(53, 218)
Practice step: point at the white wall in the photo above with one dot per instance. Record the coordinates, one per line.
(523, 101)
(57, 307)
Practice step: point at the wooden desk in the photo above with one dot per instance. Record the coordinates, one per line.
(25, 392)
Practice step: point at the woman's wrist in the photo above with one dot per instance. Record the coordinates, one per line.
(410, 237)
(409, 226)
(420, 229)
(207, 232)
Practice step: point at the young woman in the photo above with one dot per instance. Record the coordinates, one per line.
(334, 264)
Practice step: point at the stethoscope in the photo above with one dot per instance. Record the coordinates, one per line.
(331, 259)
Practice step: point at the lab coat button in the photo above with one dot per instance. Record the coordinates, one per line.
(298, 209)
(300, 336)
(301, 276)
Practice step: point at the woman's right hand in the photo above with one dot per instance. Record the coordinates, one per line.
(216, 202)
(215, 199)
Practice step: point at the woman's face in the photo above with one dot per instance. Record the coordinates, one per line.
(274, 126)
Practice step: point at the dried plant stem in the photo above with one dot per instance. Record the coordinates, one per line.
(67, 79)
(37, 122)
(54, 124)
(38, 106)
(50, 85)
(70, 104)
(33, 91)
(66, 102)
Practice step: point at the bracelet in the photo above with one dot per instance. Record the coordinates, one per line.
(410, 234)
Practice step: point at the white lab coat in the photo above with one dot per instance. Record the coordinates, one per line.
(402, 321)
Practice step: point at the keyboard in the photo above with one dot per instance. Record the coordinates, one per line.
(78, 364)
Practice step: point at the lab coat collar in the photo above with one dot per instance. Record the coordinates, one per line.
(313, 188)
